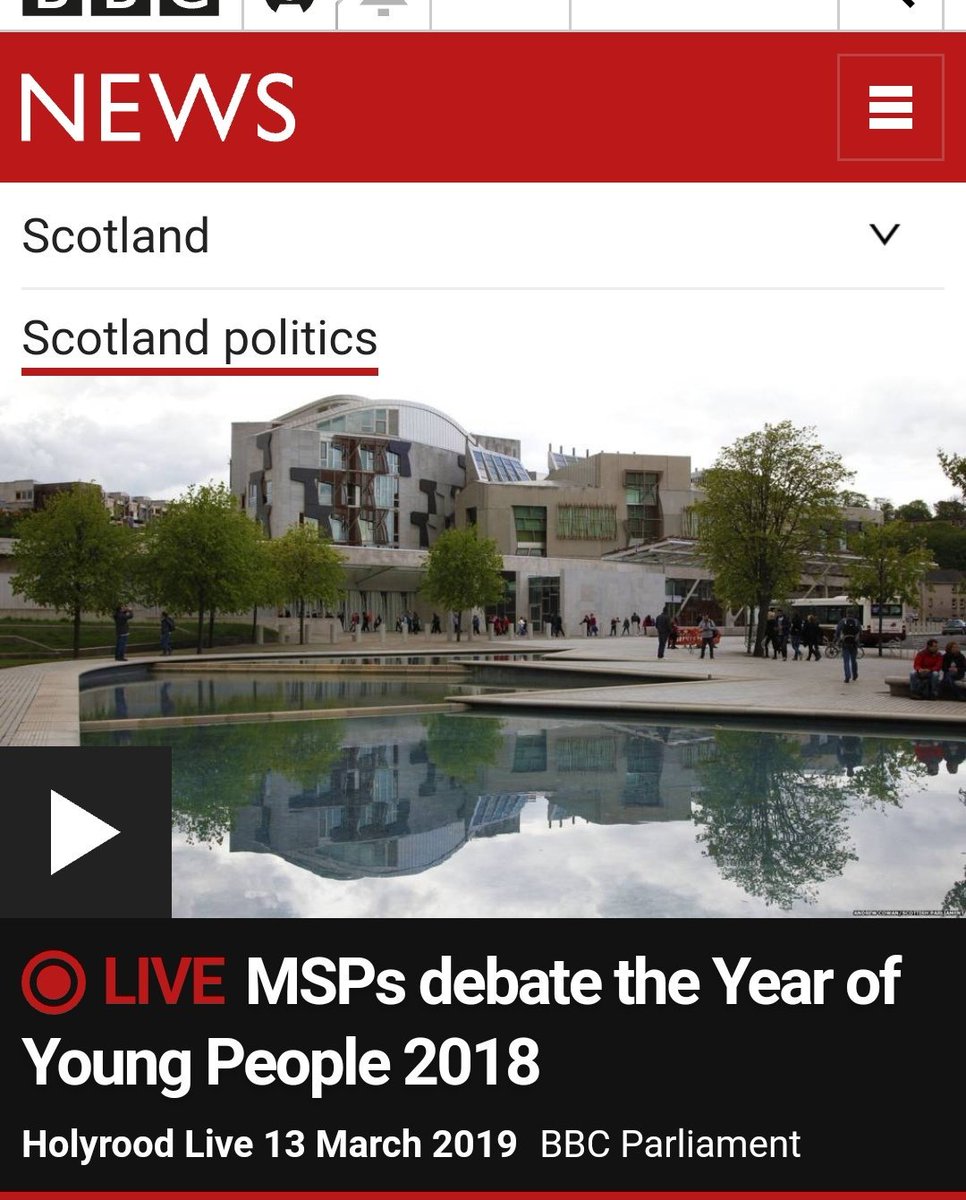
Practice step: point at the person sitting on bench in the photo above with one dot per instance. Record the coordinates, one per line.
(926, 676)
(953, 671)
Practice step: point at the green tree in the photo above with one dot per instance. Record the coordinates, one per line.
(950, 510)
(306, 567)
(954, 468)
(771, 499)
(887, 569)
(69, 556)
(915, 510)
(776, 822)
(463, 571)
(459, 746)
(219, 770)
(203, 555)
(946, 542)
(853, 499)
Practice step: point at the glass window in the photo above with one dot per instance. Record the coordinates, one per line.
(392, 463)
(384, 491)
(587, 522)
(530, 522)
(325, 494)
(253, 495)
(268, 491)
(643, 508)
(366, 461)
(640, 487)
(338, 531)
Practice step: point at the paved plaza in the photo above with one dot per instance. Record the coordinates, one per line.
(39, 704)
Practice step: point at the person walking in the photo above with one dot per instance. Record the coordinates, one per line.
(672, 637)
(796, 627)
(781, 629)
(847, 635)
(812, 637)
(167, 629)
(771, 633)
(708, 630)
(122, 620)
(626, 627)
(663, 626)
(636, 622)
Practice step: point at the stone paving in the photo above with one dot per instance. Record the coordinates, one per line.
(39, 704)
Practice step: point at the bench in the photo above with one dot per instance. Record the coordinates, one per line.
(899, 686)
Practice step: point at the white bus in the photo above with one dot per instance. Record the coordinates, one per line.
(829, 610)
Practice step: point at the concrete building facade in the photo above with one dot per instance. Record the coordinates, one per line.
(384, 478)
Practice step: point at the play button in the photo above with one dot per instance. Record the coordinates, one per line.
(88, 831)
(74, 832)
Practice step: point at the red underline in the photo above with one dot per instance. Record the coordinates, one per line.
(276, 371)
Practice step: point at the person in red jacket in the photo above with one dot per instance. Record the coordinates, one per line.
(926, 673)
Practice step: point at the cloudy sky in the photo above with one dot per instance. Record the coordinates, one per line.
(663, 320)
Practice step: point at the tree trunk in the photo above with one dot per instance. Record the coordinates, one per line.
(211, 628)
(301, 620)
(77, 625)
(254, 624)
(201, 623)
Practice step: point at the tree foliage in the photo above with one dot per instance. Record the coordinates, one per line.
(70, 557)
(849, 499)
(218, 771)
(203, 555)
(776, 823)
(306, 568)
(459, 746)
(771, 499)
(946, 542)
(915, 510)
(954, 468)
(888, 569)
(950, 510)
(463, 571)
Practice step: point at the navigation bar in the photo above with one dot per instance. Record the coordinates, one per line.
(469, 16)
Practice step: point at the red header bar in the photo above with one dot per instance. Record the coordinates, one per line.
(571, 107)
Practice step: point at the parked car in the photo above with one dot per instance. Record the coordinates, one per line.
(955, 627)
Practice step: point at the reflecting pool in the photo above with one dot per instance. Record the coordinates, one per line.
(471, 815)
(189, 695)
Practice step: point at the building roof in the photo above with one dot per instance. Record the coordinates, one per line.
(331, 406)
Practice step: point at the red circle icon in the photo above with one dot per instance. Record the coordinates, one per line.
(53, 982)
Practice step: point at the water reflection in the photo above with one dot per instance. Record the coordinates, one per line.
(206, 694)
(784, 820)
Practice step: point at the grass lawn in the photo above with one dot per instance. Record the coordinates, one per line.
(25, 641)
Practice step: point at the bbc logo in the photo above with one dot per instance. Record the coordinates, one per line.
(121, 8)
